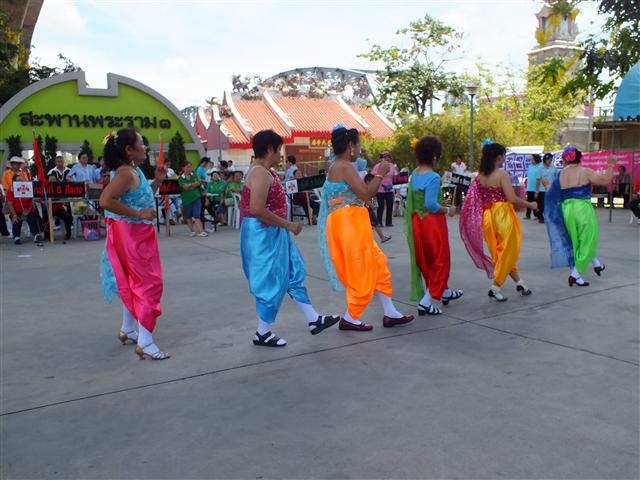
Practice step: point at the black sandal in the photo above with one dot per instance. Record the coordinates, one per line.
(323, 321)
(455, 294)
(428, 310)
(269, 340)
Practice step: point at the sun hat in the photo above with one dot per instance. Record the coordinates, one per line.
(16, 160)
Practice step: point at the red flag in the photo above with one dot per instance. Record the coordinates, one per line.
(36, 154)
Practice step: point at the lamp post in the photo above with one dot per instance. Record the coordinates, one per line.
(219, 123)
(471, 89)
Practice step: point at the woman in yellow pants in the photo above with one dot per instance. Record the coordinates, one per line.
(487, 212)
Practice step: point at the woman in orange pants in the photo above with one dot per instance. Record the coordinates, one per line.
(488, 212)
(349, 253)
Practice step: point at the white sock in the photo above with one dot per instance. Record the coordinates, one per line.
(310, 313)
(350, 319)
(495, 288)
(575, 273)
(596, 262)
(387, 306)
(521, 283)
(145, 338)
(129, 322)
(263, 327)
(426, 300)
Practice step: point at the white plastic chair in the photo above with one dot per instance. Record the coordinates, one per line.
(233, 214)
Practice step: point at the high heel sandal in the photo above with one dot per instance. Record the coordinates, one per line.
(455, 295)
(428, 310)
(599, 269)
(157, 355)
(497, 296)
(132, 336)
(523, 290)
(575, 281)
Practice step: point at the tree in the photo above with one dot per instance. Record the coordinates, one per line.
(15, 71)
(14, 142)
(413, 77)
(177, 154)
(607, 56)
(50, 151)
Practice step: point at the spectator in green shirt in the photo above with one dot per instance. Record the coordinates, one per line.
(191, 203)
(214, 202)
(234, 186)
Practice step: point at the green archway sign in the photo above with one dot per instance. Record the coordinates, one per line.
(64, 107)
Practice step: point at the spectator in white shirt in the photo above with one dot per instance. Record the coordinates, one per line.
(458, 166)
(291, 168)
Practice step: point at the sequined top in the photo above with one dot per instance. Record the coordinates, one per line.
(490, 195)
(338, 195)
(276, 198)
(138, 199)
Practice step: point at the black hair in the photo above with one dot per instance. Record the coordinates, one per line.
(264, 139)
(224, 163)
(547, 156)
(115, 148)
(428, 150)
(458, 155)
(184, 163)
(490, 152)
(624, 169)
(204, 160)
(340, 138)
(291, 159)
(368, 177)
(536, 157)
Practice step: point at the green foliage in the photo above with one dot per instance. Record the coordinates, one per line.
(177, 154)
(50, 150)
(413, 76)
(15, 145)
(145, 166)
(15, 71)
(86, 148)
(608, 55)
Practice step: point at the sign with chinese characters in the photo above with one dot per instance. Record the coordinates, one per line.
(320, 143)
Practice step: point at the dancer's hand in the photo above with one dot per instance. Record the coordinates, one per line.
(533, 206)
(294, 227)
(383, 168)
(160, 173)
(147, 214)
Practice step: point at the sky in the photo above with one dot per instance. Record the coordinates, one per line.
(188, 50)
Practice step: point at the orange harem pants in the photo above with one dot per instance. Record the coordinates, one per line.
(431, 247)
(360, 264)
(503, 237)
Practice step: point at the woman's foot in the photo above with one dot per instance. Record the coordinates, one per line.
(454, 295)
(268, 340)
(428, 310)
(192, 234)
(152, 351)
(385, 239)
(203, 234)
(577, 281)
(523, 290)
(131, 336)
(496, 295)
(323, 322)
(388, 322)
(599, 269)
(358, 327)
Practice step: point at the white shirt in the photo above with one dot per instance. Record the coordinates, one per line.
(458, 168)
(79, 173)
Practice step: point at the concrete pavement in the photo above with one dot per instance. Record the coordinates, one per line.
(544, 386)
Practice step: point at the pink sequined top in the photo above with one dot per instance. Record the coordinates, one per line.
(490, 195)
(276, 199)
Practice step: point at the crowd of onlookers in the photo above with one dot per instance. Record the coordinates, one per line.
(210, 190)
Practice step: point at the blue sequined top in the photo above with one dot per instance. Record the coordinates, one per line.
(139, 198)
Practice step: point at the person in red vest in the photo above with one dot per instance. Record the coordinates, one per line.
(19, 209)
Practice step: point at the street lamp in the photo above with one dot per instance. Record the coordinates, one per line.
(471, 89)
(219, 123)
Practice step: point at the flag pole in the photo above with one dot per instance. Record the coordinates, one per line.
(43, 181)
